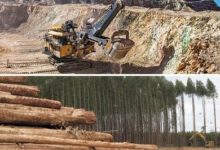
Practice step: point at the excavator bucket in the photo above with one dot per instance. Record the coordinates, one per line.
(120, 45)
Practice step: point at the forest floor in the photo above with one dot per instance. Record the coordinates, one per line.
(168, 41)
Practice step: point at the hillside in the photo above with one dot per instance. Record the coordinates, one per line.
(166, 41)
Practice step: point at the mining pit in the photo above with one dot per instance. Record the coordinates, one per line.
(166, 41)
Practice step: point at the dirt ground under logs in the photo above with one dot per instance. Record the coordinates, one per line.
(166, 41)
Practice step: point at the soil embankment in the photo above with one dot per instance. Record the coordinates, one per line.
(168, 41)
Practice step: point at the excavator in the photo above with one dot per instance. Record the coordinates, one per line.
(65, 45)
(207, 144)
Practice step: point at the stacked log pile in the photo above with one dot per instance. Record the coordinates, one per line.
(29, 122)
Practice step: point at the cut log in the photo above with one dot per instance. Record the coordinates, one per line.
(22, 90)
(6, 97)
(65, 134)
(10, 138)
(36, 116)
(9, 79)
(8, 146)
(90, 135)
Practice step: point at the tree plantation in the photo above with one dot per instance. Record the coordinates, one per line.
(135, 109)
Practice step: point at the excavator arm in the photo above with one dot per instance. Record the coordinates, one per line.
(199, 135)
(94, 32)
(99, 27)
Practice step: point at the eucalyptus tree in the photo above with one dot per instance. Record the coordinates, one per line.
(172, 101)
(201, 92)
(191, 90)
(213, 94)
(180, 90)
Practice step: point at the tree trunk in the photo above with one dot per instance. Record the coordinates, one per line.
(215, 123)
(64, 134)
(37, 116)
(204, 115)
(10, 138)
(6, 97)
(22, 90)
(183, 113)
(194, 119)
(13, 79)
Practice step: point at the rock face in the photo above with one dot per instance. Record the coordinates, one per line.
(198, 5)
(168, 4)
(202, 5)
(9, 17)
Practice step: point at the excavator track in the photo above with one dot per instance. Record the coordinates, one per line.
(70, 67)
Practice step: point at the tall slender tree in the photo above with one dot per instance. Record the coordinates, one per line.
(180, 89)
(213, 94)
(191, 90)
(201, 92)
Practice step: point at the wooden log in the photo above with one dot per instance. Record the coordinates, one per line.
(6, 97)
(13, 79)
(36, 116)
(91, 135)
(22, 90)
(13, 146)
(10, 138)
(65, 134)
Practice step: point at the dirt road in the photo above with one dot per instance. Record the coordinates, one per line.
(22, 55)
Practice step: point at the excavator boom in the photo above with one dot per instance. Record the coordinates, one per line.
(99, 27)
(95, 31)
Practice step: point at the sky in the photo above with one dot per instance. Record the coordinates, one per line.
(217, 2)
(198, 102)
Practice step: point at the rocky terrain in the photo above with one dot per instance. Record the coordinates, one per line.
(167, 4)
(183, 41)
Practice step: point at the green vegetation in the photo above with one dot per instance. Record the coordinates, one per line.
(133, 109)
(185, 39)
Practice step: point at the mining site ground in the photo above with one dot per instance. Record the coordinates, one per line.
(166, 41)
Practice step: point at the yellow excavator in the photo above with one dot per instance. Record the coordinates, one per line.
(207, 144)
(64, 44)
